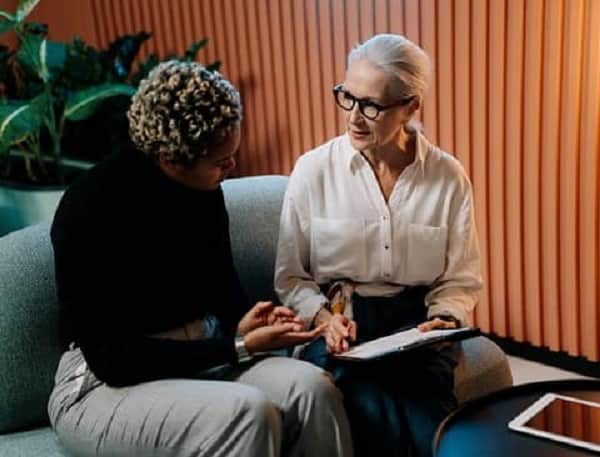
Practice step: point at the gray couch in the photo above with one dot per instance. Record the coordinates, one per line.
(28, 316)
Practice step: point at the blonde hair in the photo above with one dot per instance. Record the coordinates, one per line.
(182, 110)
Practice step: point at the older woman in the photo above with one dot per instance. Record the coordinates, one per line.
(387, 219)
(162, 361)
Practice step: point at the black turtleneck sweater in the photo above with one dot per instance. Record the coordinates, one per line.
(137, 253)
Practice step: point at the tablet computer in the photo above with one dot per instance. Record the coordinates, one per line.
(564, 419)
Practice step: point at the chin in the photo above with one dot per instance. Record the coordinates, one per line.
(361, 145)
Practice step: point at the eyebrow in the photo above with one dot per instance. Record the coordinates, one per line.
(363, 99)
(224, 159)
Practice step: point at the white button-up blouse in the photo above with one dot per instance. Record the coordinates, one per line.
(336, 224)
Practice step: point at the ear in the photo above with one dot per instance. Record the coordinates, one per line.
(414, 105)
(165, 164)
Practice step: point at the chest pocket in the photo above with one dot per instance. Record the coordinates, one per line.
(426, 253)
(338, 247)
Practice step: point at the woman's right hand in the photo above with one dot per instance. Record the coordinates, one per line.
(340, 332)
(279, 335)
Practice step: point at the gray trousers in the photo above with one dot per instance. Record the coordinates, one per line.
(269, 407)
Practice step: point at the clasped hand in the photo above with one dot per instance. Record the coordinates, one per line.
(340, 332)
(267, 327)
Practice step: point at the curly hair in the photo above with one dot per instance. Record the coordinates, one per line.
(182, 109)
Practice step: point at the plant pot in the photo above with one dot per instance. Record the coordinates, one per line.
(20, 208)
(26, 204)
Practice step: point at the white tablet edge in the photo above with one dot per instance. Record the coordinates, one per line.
(518, 422)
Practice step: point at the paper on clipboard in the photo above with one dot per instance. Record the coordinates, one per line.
(404, 340)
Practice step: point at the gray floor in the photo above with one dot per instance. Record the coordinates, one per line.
(527, 371)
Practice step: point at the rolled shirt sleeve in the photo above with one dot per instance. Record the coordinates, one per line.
(456, 291)
(294, 282)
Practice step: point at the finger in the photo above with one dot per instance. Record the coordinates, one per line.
(340, 345)
(330, 342)
(288, 327)
(425, 326)
(330, 349)
(280, 320)
(435, 323)
(352, 329)
(319, 330)
(283, 311)
(312, 334)
(340, 326)
(345, 345)
(283, 314)
(297, 337)
(262, 307)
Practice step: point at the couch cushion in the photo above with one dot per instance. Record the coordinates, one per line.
(254, 206)
(28, 327)
(41, 442)
(482, 368)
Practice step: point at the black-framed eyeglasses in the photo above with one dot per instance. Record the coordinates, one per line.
(367, 108)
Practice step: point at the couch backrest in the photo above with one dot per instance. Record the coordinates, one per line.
(29, 341)
(254, 206)
(29, 344)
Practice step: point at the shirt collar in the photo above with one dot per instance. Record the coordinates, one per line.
(354, 157)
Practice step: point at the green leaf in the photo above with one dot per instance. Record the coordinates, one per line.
(192, 50)
(42, 57)
(28, 55)
(52, 59)
(6, 24)
(82, 104)
(17, 121)
(214, 66)
(25, 7)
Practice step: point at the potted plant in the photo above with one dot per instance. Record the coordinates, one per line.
(62, 107)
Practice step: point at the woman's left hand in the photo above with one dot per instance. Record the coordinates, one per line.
(435, 323)
(265, 313)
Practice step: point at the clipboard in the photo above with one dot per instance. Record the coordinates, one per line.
(403, 341)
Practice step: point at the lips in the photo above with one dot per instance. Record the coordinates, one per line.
(358, 133)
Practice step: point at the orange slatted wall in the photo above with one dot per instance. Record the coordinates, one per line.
(516, 97)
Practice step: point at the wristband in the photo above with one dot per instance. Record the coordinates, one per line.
(240, 348)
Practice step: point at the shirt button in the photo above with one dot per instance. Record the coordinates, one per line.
(386, 246)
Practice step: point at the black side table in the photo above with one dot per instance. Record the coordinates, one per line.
(479, 428)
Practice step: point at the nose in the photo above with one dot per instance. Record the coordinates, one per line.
(231, 164)
(355, 115)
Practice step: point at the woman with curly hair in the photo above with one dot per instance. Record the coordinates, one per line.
(153, 307)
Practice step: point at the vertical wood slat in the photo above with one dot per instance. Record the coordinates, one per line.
(259, 160)
(568, 176)
(245, 84)
(429, 44)
(327, 69)
(589, 171)
(462, 83)
(479, 91)
(302, 54)
(445, 66)
(339, 56)
(515, 95)
(549, 189)
(314, 74)
(532, 111)
(496, 147)
(513, 168)
(292, 74)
